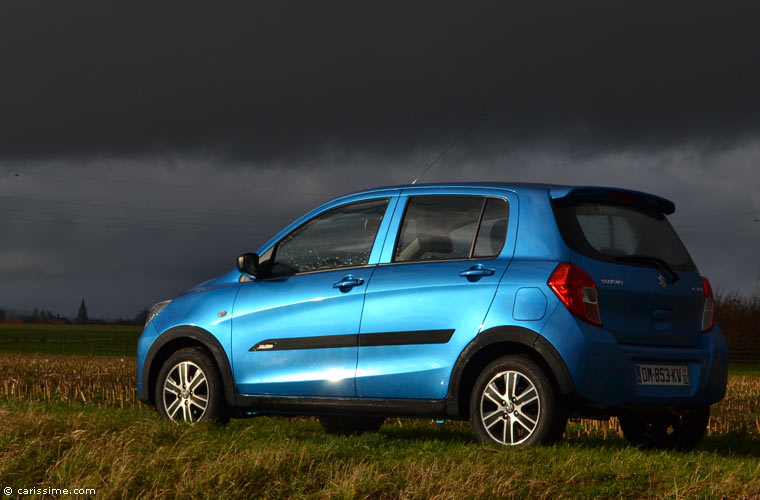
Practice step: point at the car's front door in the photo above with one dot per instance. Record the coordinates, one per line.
(429, 298)
(295, 332)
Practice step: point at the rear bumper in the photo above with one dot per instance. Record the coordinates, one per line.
(603, 371)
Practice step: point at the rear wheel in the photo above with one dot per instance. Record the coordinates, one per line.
(514, 403)
(680, 430)
(189, 388)
(349, 424)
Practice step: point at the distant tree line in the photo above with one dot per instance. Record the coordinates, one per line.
(739, 318)
(40, 315)
(36, 316)
(43, 316)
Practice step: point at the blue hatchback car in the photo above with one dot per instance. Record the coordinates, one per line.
(516, 306)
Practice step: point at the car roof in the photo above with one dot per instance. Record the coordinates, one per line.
(555, 190)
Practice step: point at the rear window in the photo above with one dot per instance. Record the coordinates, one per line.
(604, 231)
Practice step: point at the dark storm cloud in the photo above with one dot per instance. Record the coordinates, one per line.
(127, 233)
(144, 145)
(277, 79)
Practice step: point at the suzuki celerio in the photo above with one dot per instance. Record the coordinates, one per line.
(515, 306)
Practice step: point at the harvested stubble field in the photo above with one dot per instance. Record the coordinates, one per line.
(94, 380)
(110, 381)
(73, 421)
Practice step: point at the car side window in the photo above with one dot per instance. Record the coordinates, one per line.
(493, 229)
(451, 227)
(341, 237)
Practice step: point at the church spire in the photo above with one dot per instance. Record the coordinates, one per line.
(82, 315)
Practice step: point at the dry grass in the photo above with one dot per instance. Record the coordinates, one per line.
(129, 453)
(60, 429)
(740, 410)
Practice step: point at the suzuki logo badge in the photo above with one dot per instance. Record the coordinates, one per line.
(661, 280)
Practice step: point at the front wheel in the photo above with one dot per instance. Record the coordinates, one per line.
(513, 403)
(679, 430)
(189, 388)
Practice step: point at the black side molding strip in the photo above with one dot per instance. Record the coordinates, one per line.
(354, 340)
(405, 338)
(318, 342)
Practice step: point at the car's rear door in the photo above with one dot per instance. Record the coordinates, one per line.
(445, 254)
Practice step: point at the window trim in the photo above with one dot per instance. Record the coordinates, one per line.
(303, 273)
(273, 249)
(485, 198)
(477, 229)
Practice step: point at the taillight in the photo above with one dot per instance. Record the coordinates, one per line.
(708, 313)
(577, 290)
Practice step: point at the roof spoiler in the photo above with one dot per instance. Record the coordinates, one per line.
(625, 196)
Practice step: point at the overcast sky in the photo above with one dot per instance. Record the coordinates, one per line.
(144, 145)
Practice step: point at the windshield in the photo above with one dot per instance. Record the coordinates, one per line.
(606, 231)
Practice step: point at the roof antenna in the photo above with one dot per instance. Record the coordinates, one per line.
(443, 153)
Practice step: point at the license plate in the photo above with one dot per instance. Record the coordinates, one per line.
(662, 374)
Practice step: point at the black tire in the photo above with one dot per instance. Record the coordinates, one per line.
(528, 413)
(680, 430)
(349, 424)
(192, 396)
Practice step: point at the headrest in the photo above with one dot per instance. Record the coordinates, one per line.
(498, 235)
(438, 243)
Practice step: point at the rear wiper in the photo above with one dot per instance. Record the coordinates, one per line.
(648, 259)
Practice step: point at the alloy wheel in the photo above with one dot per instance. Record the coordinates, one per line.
(185, 392)
(510, 408)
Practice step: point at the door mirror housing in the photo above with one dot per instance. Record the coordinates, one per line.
(248, 263)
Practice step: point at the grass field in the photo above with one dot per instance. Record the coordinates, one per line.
(73, 422)
(129, 453)
(103, 340)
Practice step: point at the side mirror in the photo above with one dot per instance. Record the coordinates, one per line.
(248, 263)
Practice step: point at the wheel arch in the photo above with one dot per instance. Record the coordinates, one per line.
(177, 338)
(495, 343)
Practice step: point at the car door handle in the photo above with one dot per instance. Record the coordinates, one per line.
(477, 270)
(348, 282)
